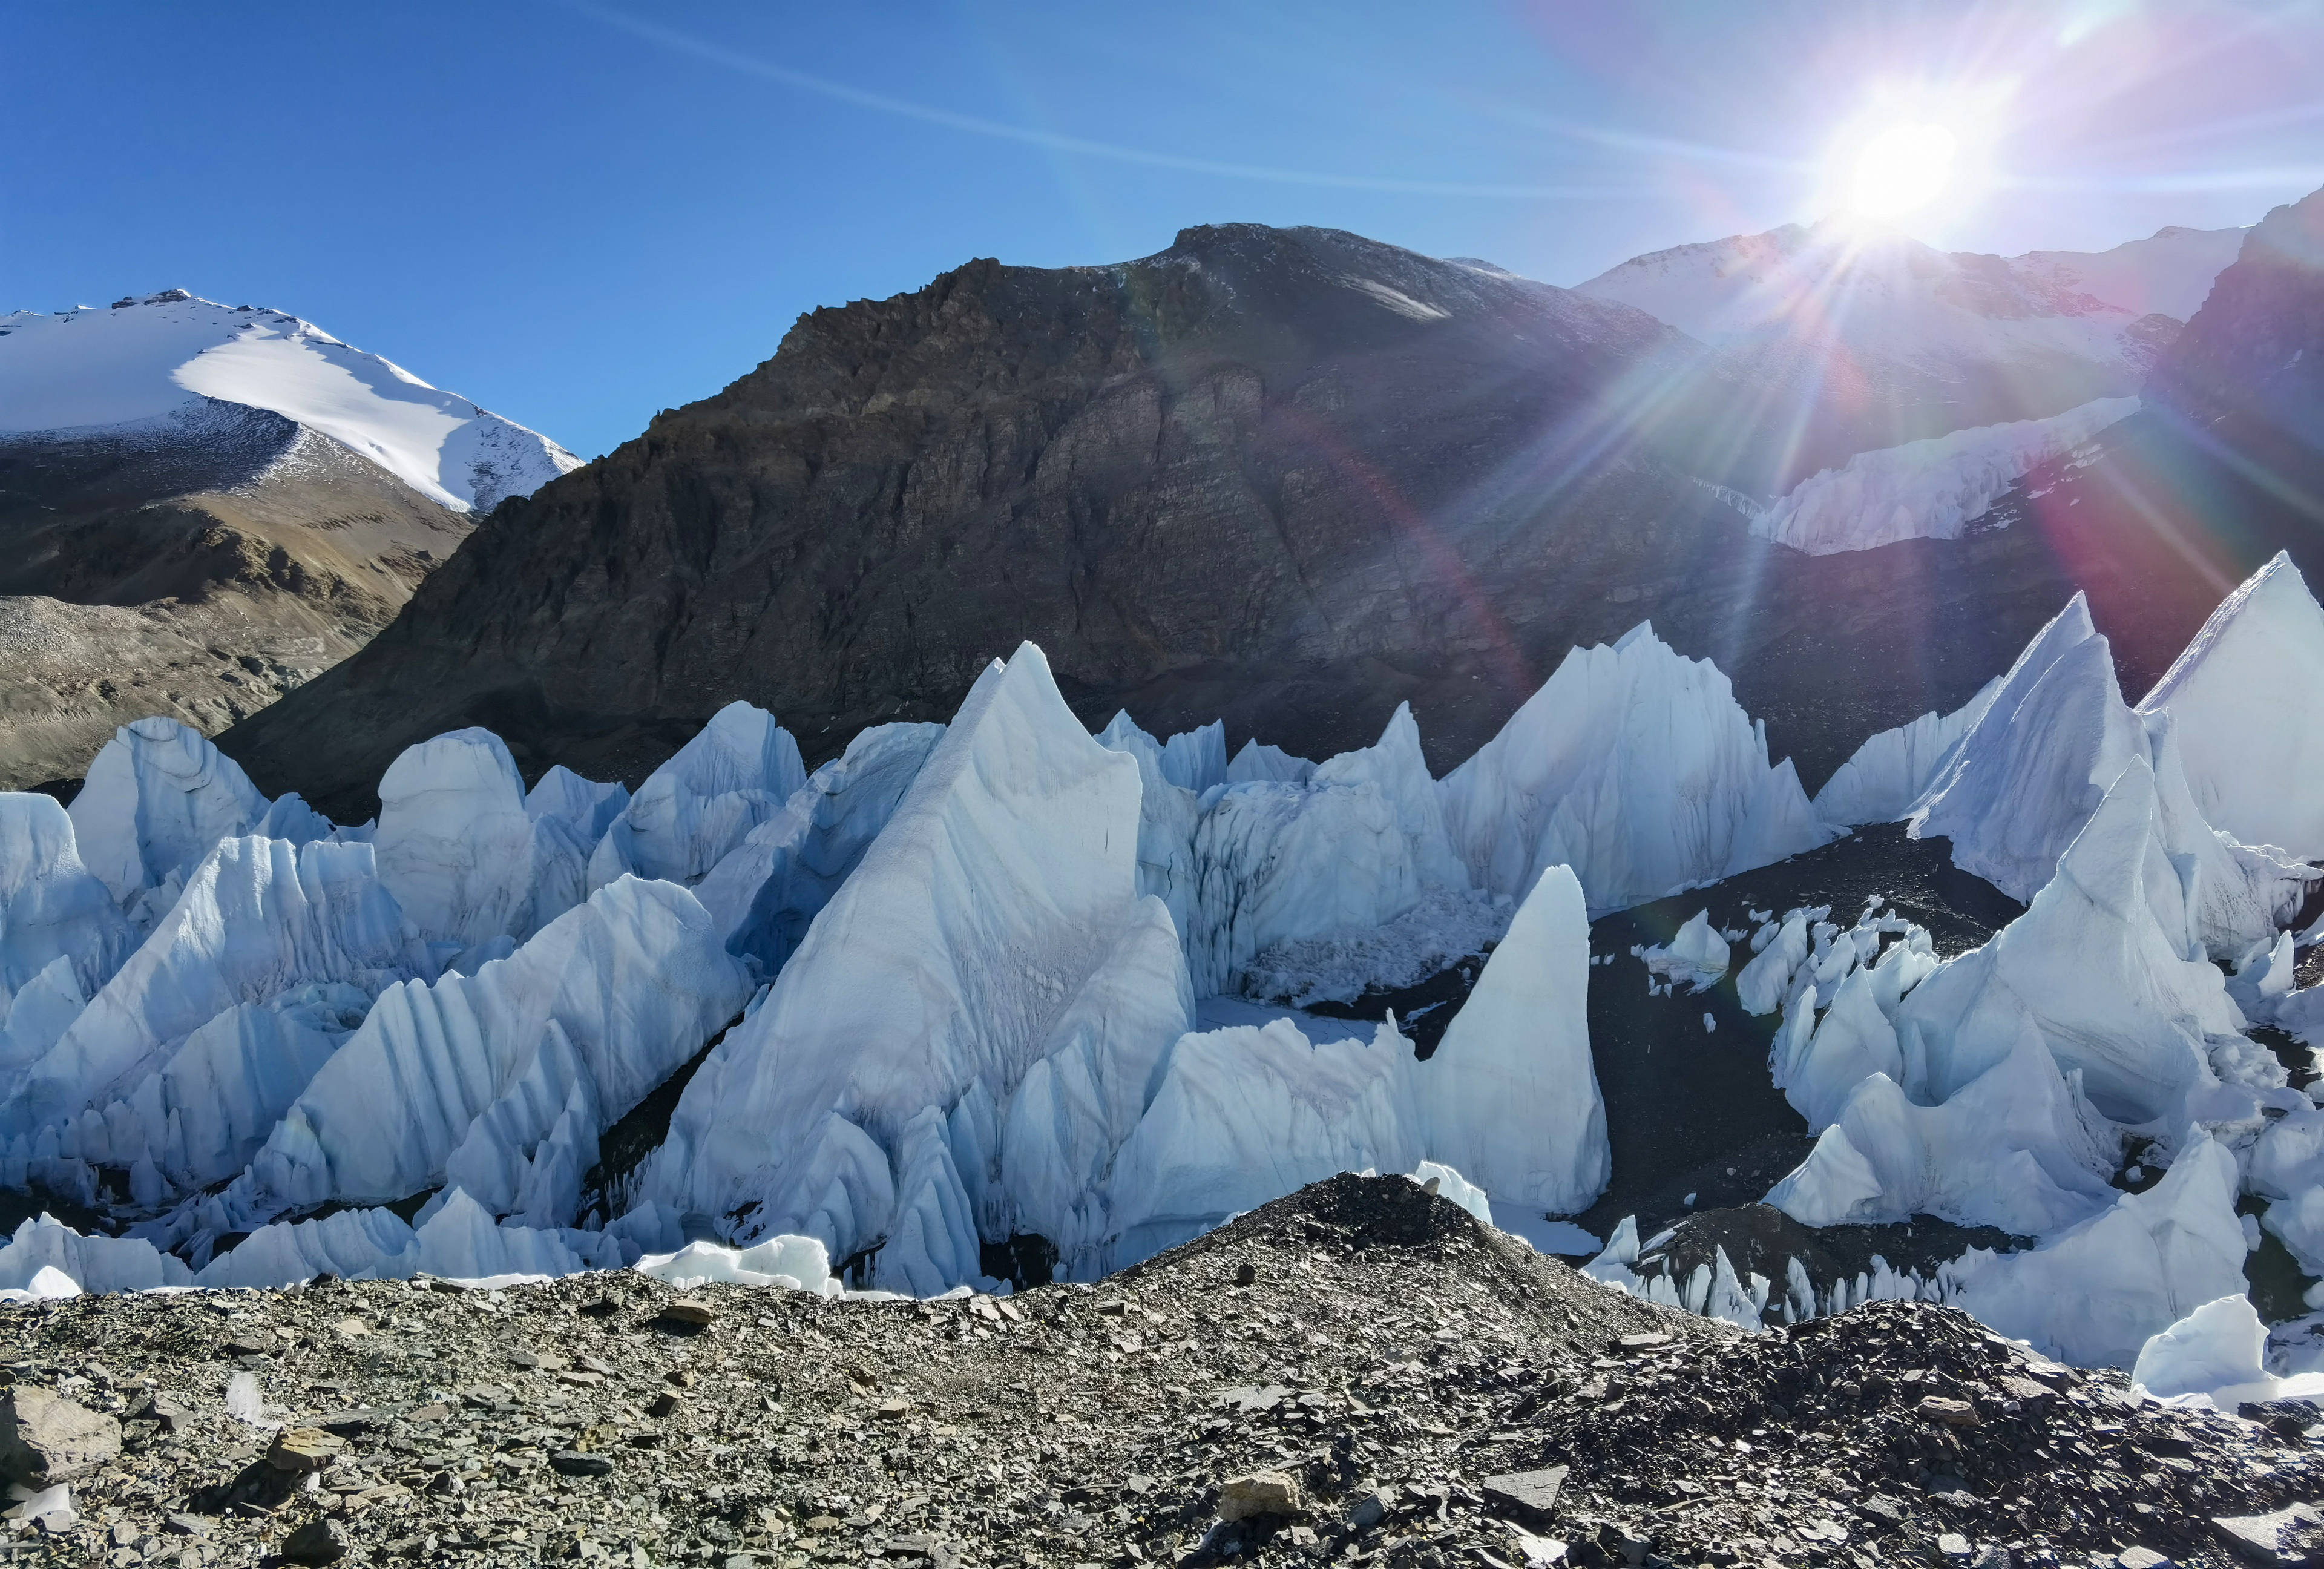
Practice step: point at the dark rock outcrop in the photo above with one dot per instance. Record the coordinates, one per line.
(1290, 477)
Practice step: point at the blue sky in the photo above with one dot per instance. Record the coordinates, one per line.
(578, 214)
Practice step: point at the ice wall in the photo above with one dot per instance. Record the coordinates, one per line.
(499, 1082)
(158, 797)
(736, 773)
(2248, 695)
(1358, 843)
(1883, 777)
(458, 848)
(1635, 767)
(766, 890)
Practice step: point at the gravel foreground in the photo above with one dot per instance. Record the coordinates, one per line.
(1359, 1373)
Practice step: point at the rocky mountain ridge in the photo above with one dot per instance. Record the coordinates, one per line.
(1291, 477)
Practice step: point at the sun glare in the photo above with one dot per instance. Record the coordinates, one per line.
(1901, 170)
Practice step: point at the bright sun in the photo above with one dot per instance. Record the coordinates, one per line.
(1901, 170)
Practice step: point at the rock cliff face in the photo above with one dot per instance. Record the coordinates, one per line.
(2256, 350)
(1288, 477)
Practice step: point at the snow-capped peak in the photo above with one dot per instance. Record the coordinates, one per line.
(141, 360)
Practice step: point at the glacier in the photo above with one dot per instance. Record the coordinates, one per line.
(992, 898)
(1007, 978)
(766, 891)
(500, 1083)
(461, 853)
(1361, 842)
(1931, 489)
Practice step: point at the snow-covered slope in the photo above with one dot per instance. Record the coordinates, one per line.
(1844, 339)
(144, 362)
(2170, 270)
(1881, 293)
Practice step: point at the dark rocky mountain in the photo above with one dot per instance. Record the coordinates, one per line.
(1287, 477)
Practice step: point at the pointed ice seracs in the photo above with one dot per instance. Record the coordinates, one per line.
(1356, 845)
(2102, 964)
(583, 804)
(1635, 766)
(460, 852)
(2095, 1295)
(736, 773)
(2027, 776)
(766, 890)
(2022, 781)
(1258, 762)
(2248, 695)
(50, 908)
(158, 796)
(940, 967)
(259, 920)
(501, 1082)
(2016, 1148)
(1167, 813)
(1511, 1099)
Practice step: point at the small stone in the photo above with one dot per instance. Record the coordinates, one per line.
(679, 1376)
(319, 1541)
(1246, 1274)
(45, 1438)
(304, 1449)
(687, 1311)
(1258, 1494)
(2143, 1558)
(574, 1463)
(432, 1412)
(894, 1410)
(350, 1328)
(1371, 1508)
(1644, 1341)
(184, 1525)
(1954, 1547)
(250, 1345)
(663, 1404)
(163, 1409)
(579, 1375)
(352, 1424)
(1950, 1413)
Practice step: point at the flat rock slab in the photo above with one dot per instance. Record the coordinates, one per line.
(45, 1438)
(1531, 1495)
